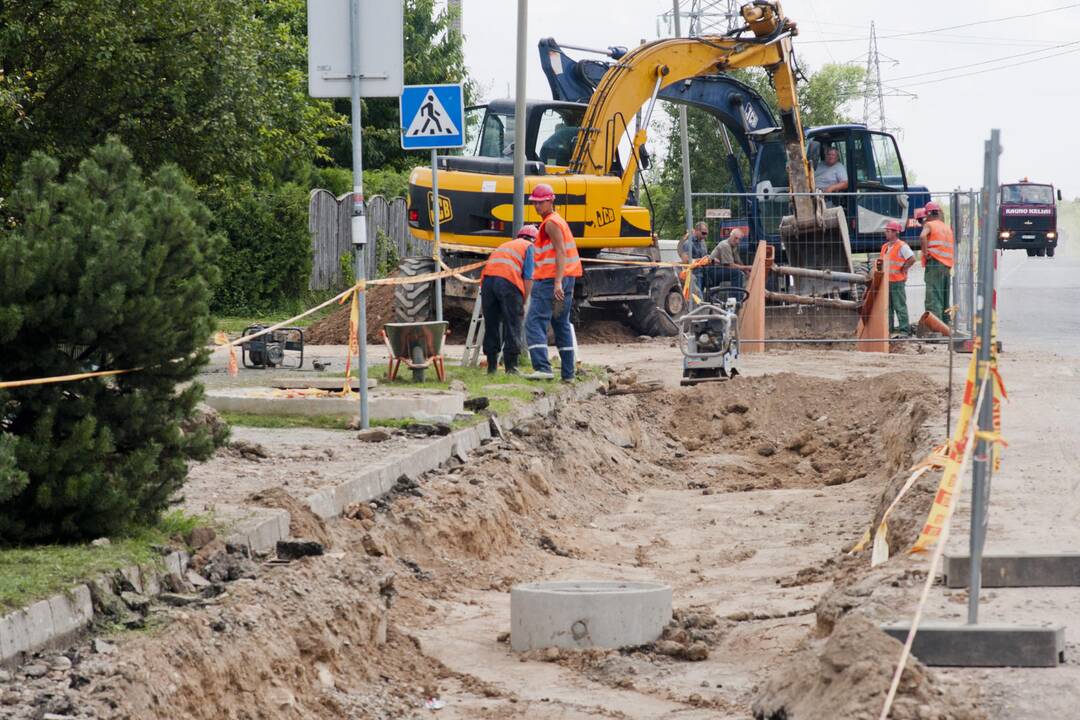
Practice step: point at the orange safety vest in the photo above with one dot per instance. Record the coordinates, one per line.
(939, 243)
(508, 261)
(544, 254)
(893, 262)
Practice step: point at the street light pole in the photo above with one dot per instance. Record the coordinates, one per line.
(519, 117)
(358, 222)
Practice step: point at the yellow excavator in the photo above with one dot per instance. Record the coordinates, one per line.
(580, 158)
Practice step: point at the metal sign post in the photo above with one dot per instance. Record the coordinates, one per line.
(433, 118)
(356, 49)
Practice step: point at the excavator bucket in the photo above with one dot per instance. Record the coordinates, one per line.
(824, 246)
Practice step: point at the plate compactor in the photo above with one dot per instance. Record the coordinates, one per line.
(709, 340)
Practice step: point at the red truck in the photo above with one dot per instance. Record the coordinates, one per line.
(1028, 218)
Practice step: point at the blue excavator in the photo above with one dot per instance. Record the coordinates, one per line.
(871, 157)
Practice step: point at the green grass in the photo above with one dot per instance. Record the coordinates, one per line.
(235, 324)
(28, 574)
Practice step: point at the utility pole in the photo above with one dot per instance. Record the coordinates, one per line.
(519, 118)
(874, 90)
(358, 220)
(684, 143)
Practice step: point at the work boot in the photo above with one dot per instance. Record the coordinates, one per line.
(511, 362)
(493, 364)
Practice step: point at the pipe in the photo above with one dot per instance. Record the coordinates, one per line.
(816, 301)
(856, 278)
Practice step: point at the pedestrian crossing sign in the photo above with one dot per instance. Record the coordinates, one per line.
(432, 116)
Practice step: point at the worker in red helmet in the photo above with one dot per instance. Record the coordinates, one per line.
(938, 248)
(897, 257)
(557, 266)
(505, 283)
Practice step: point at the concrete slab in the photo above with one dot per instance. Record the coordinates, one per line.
(39, 625)
(261, 531)
(587, 613)
(321, 383)
(71, 612)
(382, 405)
(1019, 570)
(953, 644)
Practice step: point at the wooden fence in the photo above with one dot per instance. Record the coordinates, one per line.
(331, 236)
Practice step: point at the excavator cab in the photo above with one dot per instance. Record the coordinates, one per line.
(550, 131)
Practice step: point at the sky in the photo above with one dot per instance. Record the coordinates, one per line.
(1033, 99)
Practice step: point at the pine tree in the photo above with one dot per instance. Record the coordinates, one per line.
(105, 269)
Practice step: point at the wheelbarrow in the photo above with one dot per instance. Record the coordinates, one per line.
(418, 345)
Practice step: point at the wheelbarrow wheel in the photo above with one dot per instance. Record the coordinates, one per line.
(418, 359)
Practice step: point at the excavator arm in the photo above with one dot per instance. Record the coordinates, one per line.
(644, 72)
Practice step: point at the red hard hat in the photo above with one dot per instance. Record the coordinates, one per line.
(894, 225)
(528, 231)
(932, 207)
(920, 213)
(542, 191)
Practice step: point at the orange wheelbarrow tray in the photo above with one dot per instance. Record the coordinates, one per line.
(418, 345)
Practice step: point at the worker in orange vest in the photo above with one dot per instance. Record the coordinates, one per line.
(896, 258)
(557, 266)
(938, 249)
(505, 283)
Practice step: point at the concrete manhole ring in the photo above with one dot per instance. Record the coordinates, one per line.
(587, 613)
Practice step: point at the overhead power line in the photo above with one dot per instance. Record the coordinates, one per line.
(988, 70)
(950, 27)
(987, 62)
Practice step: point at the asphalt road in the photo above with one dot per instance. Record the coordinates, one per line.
(1039, 303)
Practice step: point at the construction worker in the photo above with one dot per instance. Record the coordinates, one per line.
(504, 287)
(692, 247)
(938, 249)
(896, 258)
(557, 266)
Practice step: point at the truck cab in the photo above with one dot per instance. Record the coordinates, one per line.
(1028, 218)
(877, 191)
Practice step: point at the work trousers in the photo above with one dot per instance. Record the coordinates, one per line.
(544, 311)
(504, 311)
(937, 288)
(898, 307)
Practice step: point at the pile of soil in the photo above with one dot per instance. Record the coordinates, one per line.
(334, 329)
(604, 331)
(849, 678)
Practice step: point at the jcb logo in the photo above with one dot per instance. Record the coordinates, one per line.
(446, 212)
(604, 216)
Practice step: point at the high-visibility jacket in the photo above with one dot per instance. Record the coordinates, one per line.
(544, 251)
(508, 261)
(939, 243)
(892, 261)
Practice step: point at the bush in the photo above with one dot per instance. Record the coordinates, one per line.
(267, 262)
(105, 269)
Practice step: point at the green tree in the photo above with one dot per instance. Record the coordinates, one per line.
(216, 86)
(104, 269)
(823, 98)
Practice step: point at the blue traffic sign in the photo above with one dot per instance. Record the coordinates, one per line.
(432, 116)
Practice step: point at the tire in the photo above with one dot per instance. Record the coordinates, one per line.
(1031, 252)
(653, 317)
(418, 358)
(1041, 252)
(416, 302)
(1050, 252)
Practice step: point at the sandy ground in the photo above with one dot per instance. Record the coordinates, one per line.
(744, 497)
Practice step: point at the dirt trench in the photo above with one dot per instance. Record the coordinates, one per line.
(721, 490)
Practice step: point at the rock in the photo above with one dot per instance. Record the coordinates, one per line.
(280, 697)
(35, 670)
(694, 699)
(697, 652)
(373, 546)
(5, 676)
(102, 647)
(11, 697)
(296, 549)
(736, 407)
(458, 386)
(552, 654)
(249, 450)
(105, 600)
(200, 537)
(326, 678)
(60, 663)
(476, 404)
(669, 647)
(765, 450)
(495, 427)
(101, 542)
(173, 582)
(740, 616)
(135, 601)
(503, 637)
(226, 567)
(196, 580)
(359, 511)
(178, 599)
(373, 435)
(206, 418)
(838, 477)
